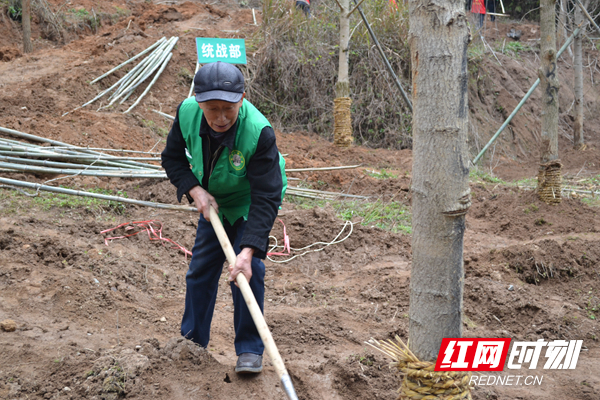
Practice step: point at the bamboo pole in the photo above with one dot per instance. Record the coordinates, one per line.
(324, 192)
(130, 60)
(11, 142)
(46, 163)
(139, 69)
(104, 149)
(20, 150)
(120, 82)
(142, 66)
(321, 169)
(255, 312)
(565, 189)
(32, 137)
(131, 164)
(82, 193)
(197, 68)
(150, 68)
(310, 196)
(502, 5)
(56, 171)
(164, 115)
(162, 68)
(523, 100)
(75, 157)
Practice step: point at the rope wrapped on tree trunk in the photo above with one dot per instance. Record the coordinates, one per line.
(421, 381)
(342, 129)
(549, 182)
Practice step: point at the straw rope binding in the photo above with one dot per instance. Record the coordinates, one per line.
(342, 122)
(420, 381)
(549, 182)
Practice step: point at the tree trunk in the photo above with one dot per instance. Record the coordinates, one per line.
(438, 38)
(342, 131)
(578, 83)
(549, 175)
(563, 19)
(26, 20)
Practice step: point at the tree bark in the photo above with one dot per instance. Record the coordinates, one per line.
(562, 19)
(549, 173)
(26, 21)
(578, 141)
(342, 131)
(438, 38)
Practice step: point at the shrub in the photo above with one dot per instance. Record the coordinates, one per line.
(293, 70)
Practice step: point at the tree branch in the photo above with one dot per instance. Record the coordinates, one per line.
(587, 15)
(339, 5)
(354, 9)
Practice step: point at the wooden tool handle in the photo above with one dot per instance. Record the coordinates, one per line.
(257, 316)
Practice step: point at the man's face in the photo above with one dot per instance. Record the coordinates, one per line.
(221, 115)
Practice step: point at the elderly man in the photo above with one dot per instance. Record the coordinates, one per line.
(221, 152)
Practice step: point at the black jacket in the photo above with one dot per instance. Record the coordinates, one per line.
(263, 172)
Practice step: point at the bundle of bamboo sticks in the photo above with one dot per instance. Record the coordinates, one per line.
(58, 158)
(124, 87)
(65, 159)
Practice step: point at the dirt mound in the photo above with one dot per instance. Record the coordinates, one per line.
(516, 214)
(9, 54)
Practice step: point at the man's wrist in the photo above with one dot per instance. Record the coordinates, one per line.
(249, 249)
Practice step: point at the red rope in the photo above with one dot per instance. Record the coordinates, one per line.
(286, 243)
(154, 233)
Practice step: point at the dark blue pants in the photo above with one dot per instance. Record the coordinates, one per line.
(202, 280)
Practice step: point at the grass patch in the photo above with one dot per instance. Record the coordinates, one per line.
(122, 12)
(477, 175)
(529, 182)
(531, 208)
(80, 18)
(45, 201)
(162, 131)
(512, 49)
(591, 201)
(390, 216)
(476, 51)
(383, 174)
(588, 182)
(304, 203)
(50, 200)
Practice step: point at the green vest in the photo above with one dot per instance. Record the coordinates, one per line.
(228, 183)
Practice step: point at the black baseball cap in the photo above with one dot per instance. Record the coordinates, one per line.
(219, 81)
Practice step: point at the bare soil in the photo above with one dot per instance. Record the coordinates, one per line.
(97, 321)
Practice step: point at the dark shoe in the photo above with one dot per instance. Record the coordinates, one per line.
(248, 363)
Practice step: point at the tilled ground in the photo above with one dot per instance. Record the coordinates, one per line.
(97, 321)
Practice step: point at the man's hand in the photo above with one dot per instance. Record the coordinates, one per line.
(203, 200)
(243, 264)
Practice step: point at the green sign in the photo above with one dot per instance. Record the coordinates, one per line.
(210, 50)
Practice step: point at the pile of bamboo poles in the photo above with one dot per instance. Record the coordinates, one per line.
(64, 159)
(58, 158)
(124, 87)
(320, 194)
